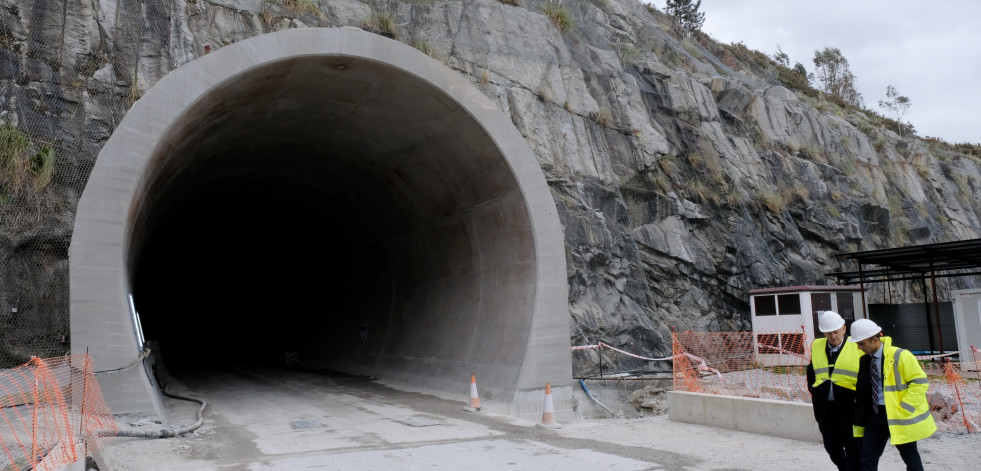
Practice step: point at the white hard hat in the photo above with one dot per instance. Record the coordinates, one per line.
(863, 329)
(829, 321)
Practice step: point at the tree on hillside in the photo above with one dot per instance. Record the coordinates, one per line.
(686, 14)
(831, 68)
(781, 57)
(896, 106)
(799, 68)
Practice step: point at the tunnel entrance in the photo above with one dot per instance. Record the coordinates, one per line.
(338, 193)
(339, 201)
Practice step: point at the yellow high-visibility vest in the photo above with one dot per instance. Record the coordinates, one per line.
(844, 372)
(904, 385)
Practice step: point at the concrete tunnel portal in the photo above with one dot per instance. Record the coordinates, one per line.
(328, 193)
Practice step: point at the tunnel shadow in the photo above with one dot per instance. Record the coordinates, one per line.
(235, 277)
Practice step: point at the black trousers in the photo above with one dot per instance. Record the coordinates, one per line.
(842, 447)
(874, 442)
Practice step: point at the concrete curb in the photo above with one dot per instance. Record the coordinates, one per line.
(793, 420)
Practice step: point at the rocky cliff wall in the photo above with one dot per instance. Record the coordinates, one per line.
(685, 172)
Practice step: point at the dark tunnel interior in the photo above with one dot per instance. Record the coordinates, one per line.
(246, 271)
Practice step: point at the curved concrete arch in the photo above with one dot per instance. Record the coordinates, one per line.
(329, 193)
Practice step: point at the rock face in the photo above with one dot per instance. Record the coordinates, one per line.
(685, 172)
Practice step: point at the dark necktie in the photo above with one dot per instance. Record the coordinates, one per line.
(875, 375)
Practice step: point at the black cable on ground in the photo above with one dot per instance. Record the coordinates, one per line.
(167, 433)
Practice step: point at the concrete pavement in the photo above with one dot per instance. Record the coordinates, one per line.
(264, 419)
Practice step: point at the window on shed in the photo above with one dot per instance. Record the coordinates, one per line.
(789, 304)
(765, 305)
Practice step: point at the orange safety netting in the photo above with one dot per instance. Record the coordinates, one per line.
(764, 365)
(955, 390)
(52, 413)
(773, 365)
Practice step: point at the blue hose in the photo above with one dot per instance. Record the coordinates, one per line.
(584, 388)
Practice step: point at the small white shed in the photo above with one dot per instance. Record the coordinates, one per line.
(785, 319)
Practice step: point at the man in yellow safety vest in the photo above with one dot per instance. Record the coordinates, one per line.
(831, 377)
(890, 399)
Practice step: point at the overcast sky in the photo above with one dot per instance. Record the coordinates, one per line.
(930, 51)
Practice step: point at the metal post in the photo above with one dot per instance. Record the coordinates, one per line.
(936, 308)
(861, 285)
(926, 307)
(600, 358)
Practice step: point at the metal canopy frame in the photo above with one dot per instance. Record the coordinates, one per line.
(917, 262)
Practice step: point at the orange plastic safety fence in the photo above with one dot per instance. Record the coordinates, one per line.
(52, 413)
(955, 394)
(773, 365)
(685, 374)
(767, 365)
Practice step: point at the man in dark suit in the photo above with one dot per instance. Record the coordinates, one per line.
(890, 398)
(831, 381)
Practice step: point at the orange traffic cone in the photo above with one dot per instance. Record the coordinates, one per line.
(474, 404)
(548, 416)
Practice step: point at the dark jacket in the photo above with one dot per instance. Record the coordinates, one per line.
(863, 392)
(844, 403)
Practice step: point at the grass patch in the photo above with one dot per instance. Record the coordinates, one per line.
(833, 211)
(303, 7)
(770, 201)
(559, 15)
(603, 117)
(267, 17)
(921, 208)
(134, 91)
(799, 194)
(381, 23)
(628, 53)
(423, 46)
(24, 164)
(692, 49)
